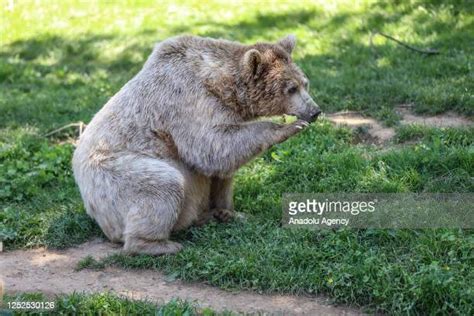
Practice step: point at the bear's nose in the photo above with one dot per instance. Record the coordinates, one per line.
(315, 115)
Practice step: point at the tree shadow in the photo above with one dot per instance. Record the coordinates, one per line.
(63, 79)
(80, 54)
(258, 27)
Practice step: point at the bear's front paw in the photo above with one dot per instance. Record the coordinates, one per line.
(223, 215)
(297, 126)
(291, 129)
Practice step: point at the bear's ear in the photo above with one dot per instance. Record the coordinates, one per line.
(288, 43)
(253, 62)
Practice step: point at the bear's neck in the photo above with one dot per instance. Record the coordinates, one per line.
(222, 76)
(231, 92)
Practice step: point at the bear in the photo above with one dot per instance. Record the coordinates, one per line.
(161, 154)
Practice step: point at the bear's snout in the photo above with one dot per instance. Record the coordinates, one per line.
(314, 116)
(311, 112)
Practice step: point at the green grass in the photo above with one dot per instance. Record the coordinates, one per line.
(103, 304)
(40, 204)
(445, 136)
(60, 62)
(89, 262)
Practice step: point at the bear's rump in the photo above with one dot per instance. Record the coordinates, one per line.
(124, 182)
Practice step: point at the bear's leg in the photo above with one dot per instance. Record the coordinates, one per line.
(196, 199)
(148, 228)
(221, 200)
(154, 205)
(221, 194)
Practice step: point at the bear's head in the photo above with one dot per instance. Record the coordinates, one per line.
(274, 84)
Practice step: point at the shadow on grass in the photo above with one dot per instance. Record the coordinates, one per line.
(71, 228)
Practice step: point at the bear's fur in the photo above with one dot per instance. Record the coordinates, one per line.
(161, 154)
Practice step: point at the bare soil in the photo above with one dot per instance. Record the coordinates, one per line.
(448, 119)
(53, 272)
(375, 133)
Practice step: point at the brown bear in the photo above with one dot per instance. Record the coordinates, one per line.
(161, 154)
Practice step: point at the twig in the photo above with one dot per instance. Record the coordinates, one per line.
(80, 124)
(421, 51)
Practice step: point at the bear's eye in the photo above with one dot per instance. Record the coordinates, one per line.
(292, 90)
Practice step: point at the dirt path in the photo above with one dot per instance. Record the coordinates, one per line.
(378, 134)
(52, 272)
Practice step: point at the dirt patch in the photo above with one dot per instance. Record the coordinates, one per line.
(448, 119)
(371, 131)
(52, 272)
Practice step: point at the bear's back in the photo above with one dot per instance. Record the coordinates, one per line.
(169, 88)
(192, 60)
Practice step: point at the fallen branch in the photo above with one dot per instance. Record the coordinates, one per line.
(421, 51)
(81, 125)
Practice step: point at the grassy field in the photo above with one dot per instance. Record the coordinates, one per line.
(60, 61)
